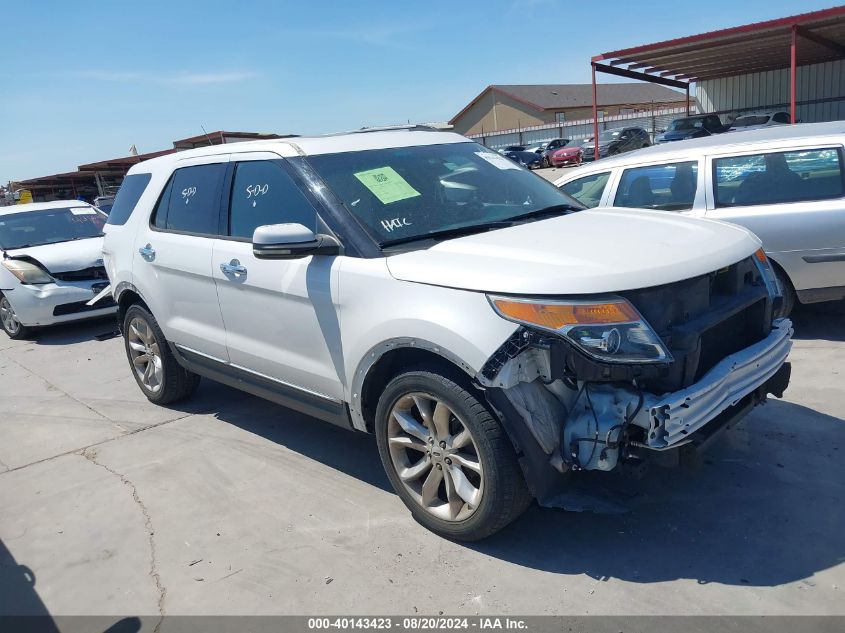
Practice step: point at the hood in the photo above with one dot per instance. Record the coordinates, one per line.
(567, 150)
(65, 256)
(594, 251)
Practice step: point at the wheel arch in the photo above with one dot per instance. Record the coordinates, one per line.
(384, 361)
(126, 295)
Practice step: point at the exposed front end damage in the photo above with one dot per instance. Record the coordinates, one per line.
(567, 412)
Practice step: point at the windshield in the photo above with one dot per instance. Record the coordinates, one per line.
(49, 226)
(685, 124)
(575, 143)
(408, 193)
(609, 135)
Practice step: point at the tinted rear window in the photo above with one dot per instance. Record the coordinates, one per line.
(127, 197)
(191, 200)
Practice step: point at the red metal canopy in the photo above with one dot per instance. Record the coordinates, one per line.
(750, 48)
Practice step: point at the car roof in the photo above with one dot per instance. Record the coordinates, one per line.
(40, 206)
(719, 142)
(311, 146)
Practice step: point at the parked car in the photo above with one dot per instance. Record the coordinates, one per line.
(617, 141)
(784, 183)
(50, 265)
(551, 146)
(424, 288)
(747, 122)
(691, 127)
(571, 154)
(530, 160)
(512, 148)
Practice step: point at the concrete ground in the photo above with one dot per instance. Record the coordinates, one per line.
(230, 505)
(553, 173)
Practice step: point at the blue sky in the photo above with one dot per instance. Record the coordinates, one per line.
(85, 81)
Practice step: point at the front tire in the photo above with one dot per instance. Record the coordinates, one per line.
(9, 321)
(162, 379)
(447, 457)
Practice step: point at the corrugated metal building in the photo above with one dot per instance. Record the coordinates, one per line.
(820, 92)
(794, 64)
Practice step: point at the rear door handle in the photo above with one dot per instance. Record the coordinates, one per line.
(233, 268)
(148, 252)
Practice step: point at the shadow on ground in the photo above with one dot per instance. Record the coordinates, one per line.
(18, 596)
(78, 332)
(765, 507)
(823, 321)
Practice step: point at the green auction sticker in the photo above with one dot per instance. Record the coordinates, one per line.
(386, 184)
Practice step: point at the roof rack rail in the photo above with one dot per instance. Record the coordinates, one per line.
(412, 127)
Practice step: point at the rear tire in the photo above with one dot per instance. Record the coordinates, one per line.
(156, 370)
(9, 320)
(459, 474)
(789, 296)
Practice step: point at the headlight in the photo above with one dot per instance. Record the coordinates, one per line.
(27, 272)
(610, 330)
(768, 273)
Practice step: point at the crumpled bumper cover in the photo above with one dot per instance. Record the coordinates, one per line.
(679, 414)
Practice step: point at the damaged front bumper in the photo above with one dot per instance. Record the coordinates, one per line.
(559, 428)
(676, 416)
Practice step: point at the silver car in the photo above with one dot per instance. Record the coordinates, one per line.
(784, 183)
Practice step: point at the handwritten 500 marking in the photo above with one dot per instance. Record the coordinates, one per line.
(188, 193)
(253, 191)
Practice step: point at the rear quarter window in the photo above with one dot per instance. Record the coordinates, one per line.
(130, 192)
(778, 177)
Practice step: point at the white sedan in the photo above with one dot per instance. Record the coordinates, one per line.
(51, 265)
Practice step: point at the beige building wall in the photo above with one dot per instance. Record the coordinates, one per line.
(496, 111)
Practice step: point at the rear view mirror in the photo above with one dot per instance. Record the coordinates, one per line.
(291, 241)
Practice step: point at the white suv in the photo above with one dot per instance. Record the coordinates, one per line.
(421, 287)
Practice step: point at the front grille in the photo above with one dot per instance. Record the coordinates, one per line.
(703, 319)
(86, 274)
(82, 306)
(730, 336)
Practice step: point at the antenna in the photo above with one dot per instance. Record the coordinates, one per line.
(208, 138)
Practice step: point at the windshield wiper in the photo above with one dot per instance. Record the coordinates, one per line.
(453, 232)
(555, 209)
(551, 211)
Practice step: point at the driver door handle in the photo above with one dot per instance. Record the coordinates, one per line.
(233, 268)
(148, 252)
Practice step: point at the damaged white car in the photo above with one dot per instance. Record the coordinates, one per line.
(418, 286)
(51, 265)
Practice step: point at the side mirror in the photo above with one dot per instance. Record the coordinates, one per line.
(291, 241)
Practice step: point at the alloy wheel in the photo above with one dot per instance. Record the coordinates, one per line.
(435, 456)
(145, 354)
(7, 315)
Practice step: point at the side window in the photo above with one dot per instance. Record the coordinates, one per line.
(587, 190)
(192, 200)
(781, 117)
(778, 177)
(131, 190)
(263, 193)
(669, 187)
(159, 217)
